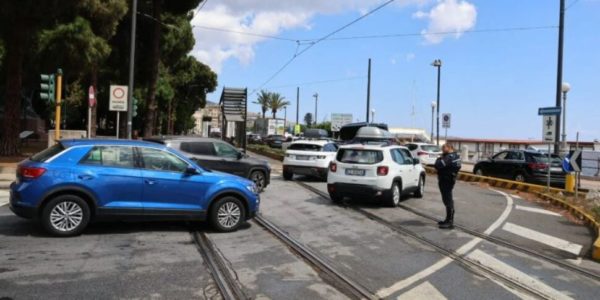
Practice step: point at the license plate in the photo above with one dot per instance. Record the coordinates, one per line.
(302, 157)
(556, 170)
(355, 172)
(433, 155)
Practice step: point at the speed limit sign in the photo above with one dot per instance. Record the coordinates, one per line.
(446, 120)
(118, 98)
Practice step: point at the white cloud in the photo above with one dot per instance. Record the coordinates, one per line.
(448, 16)
(262, 17)
(410, 56)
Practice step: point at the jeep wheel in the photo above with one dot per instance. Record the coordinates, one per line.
(393, 197)
(420, 188)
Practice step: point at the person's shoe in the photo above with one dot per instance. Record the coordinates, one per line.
(449, 222)
(446, 225)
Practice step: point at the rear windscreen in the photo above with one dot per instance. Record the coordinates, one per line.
(359, 156)
(46, 154)
(305, 147)
(543, 158)
(430, 148)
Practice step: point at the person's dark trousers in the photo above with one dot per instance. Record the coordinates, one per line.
(446, 186)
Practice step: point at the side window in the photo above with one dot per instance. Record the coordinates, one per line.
(412, 147)
(501, 156)
(110, 156)
(329, 148)
(406, 156)
(200, 148)
(225, 150)
(400, 157)
(155, 159)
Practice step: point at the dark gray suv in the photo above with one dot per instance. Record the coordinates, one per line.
(214, 154)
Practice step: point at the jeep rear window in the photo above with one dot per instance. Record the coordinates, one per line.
(44, 155)
(305, 147)
(359, 156)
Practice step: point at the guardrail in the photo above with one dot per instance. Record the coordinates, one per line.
(542, 192)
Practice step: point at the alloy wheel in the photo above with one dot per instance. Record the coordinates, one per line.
(229, 215)
(66, 216)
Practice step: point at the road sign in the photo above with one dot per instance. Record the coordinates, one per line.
(446, 120)
(575, 160)
(548, 128)
(545, 111)
(91, 96)
(339, 120)
(118, 98)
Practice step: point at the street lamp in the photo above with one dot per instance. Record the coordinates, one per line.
(373, 115)
(438, 64)
(566, 87)
(433, 105)
(316, 95)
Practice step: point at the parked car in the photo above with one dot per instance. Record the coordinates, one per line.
(383, 172)
(427, 153)
(275, 141)
(308, 157)
(254, 139)
(75, 182)
(217, 155)
(523, 166)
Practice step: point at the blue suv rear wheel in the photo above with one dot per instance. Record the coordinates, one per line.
(65, 215)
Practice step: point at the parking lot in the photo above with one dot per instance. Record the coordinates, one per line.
(503, 247)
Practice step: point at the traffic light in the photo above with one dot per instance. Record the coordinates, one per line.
(47, 87)
(134, 107)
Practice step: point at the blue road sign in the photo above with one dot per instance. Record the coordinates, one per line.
(548, 111)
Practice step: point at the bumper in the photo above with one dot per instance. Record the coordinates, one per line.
(306, 170)
(20, 210)
(355, 190)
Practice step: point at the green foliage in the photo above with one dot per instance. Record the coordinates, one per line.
(276, 103)
(308, 119)
(263, 100)
(324, 125)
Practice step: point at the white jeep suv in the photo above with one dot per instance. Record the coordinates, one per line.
(308, 157)
(375, 171)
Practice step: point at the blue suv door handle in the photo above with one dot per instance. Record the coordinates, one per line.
(85, 177)
(150, 182)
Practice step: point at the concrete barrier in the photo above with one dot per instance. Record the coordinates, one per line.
(542, 192)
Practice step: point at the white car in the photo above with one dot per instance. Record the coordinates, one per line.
(308, 157)
(375, 171)
(427, 153)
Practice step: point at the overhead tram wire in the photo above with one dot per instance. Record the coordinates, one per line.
(571, 4)
(319, 81)
(312, 44)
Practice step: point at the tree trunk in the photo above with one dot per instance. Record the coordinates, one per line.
(169, 117)
(15, 52)
(94, 79)
(151, 100)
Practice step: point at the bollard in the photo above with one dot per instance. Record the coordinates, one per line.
(570, 182)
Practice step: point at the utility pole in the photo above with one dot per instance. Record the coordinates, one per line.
(316, 95)
(297, 105)
(131, 68)
(59, 74)
(438, 64)
(368, 90)
(561, 29)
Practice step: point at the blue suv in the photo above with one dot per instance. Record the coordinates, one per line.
(77, 181)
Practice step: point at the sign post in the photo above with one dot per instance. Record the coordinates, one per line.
(446, 121)
(549, 116)
(118, 102)
(91, 103)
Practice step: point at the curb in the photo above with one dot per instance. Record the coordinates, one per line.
(541, 192)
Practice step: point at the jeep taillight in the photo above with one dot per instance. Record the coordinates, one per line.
(333, 167)
(382, 170)
(31, 172)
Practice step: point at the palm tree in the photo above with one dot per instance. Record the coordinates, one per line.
(277, 102)
(263, 100)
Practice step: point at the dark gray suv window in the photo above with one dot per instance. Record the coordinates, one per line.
(200, 148)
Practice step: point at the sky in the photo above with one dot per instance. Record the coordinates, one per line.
(499, 59)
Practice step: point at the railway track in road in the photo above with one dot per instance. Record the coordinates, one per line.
(228, 287)
(330, 274)
(469, 264)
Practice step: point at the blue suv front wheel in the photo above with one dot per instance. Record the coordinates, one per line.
(227, 214)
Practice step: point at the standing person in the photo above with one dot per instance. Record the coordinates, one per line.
(447, 167)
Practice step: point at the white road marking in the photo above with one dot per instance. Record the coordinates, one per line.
(537, 210)
(516, 196)
(516, 275)
(4, 197)
(543, 238)
(402, 284)
(424, 290)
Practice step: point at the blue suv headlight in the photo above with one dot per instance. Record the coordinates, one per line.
(252, 188)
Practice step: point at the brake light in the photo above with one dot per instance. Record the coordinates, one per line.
(422, 153)
(382, 170)
(333, 167)
(537, 166)
(31, 172)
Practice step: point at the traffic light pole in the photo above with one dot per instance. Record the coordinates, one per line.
(58, 103)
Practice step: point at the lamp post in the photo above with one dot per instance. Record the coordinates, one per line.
(316, 95)
(433, 105)
(285, 117)
(373, 115)
(438, 64)
(565, 88)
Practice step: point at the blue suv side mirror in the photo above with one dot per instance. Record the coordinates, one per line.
(189, 171)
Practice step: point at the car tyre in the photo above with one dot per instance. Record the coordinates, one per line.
(227, 214)
(65, 215)
(420, 188)
(287, 175)
(336, 198)
(479, 172)
(519, 177)
(260, 179)
(394, 194)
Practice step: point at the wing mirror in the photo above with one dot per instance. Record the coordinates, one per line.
(416, 161)
(240, 155)
(189, 171)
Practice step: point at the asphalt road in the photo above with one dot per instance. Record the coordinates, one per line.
(160, 260)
